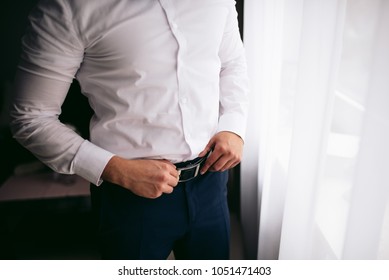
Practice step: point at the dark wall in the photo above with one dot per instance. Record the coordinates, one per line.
(240, 10)
(13, 19)
(13, 22)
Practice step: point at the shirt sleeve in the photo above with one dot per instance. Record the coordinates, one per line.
(51, 56)
(234, 82)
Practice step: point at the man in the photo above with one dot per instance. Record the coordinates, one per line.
(167, 82)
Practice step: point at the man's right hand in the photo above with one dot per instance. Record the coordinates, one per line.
(146, 178)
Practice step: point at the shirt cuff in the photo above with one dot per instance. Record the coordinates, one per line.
(90, 162)
(233, 123)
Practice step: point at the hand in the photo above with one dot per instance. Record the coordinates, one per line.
(227, 152)
(146, 178)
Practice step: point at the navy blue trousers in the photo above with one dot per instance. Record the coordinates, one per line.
(193, 221)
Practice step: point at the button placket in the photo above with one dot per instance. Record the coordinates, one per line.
(183, 99)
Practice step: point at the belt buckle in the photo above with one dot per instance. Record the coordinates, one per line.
(196, 166)
(196, 172)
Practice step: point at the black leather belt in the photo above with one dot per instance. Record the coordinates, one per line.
(190, 169)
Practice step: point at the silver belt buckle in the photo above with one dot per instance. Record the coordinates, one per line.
(196, 166)
(196, 172)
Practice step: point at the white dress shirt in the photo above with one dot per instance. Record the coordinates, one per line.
(162, 76)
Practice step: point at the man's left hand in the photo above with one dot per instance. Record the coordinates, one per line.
(227, 148)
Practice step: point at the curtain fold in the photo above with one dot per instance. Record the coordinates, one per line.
(320, 45)
(314, 166)
(367, 231)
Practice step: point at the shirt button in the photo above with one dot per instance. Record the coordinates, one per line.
(184, 100)
(174, 25)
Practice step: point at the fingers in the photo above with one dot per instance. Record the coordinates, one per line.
(219, 161)
(227, 152)
(165, 183)
(172, 174)
(208, 148)
(212, 159)
(149, 178)
(169, 177)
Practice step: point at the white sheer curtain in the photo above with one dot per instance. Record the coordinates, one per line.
(315, 175)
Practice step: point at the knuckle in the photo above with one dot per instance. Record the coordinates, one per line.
(223, 149)
(163, 177)
(159, 189)
(237, 158)
(164, 166)
(167, 166)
